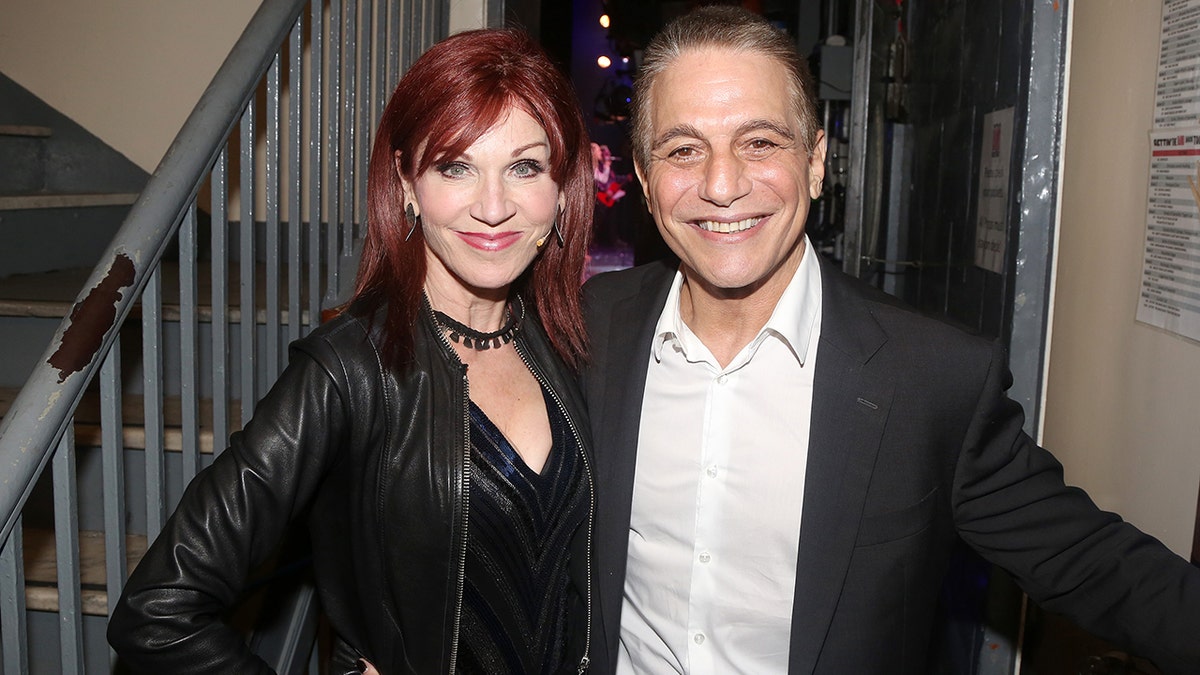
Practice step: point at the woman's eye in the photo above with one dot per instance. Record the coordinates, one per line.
(527, 169)
(452, 169)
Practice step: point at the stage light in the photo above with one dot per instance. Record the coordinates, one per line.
(603, 61)
(604, 21)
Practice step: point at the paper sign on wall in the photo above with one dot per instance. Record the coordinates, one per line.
(991, 222)
(1177, 88)
(1170, 294)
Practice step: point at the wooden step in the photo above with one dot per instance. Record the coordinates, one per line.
(41, 573)
(52, 294)
(25, 130)
(43, 294)
(88, 430)
(68, 201)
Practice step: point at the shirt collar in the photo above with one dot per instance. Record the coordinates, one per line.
(793, 321)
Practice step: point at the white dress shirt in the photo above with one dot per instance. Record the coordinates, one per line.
(718, 492)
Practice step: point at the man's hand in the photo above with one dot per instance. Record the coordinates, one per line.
(363, 666)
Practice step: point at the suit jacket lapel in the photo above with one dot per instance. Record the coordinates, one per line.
(615, 404)
(851, 400)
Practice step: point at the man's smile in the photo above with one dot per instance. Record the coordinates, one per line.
(723, 226)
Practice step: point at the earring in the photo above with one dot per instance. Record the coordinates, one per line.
(558, 233)
(413, 218)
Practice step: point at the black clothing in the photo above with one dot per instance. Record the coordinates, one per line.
(517, 579)
(912, 444)
(380, 459)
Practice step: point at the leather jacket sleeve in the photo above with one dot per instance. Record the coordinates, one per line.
(230, 519)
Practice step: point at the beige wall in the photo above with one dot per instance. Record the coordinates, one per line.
(467, 14)
(129, 71)
(1123, 399)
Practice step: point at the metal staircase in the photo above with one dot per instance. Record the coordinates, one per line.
(245, 233)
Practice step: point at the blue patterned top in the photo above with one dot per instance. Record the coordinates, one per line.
(517, 588)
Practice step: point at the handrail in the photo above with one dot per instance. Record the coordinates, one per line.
(42, 410)
(312, 190)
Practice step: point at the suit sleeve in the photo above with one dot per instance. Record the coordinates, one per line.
(230, 519)
(1011, 505)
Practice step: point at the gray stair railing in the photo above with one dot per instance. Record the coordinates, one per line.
(264, 182)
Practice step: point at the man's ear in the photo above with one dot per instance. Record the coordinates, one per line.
(816, 165)
(641, 176)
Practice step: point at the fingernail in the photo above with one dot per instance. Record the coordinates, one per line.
(361, 665)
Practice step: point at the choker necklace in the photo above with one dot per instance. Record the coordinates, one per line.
(470, 338)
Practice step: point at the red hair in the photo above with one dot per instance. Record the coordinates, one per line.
(447, 100)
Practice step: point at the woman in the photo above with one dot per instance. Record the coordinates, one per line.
(432, 433)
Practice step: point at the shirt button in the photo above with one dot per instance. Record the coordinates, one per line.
(698, 638)
(722, 379)
(711, 471)
(705, 557)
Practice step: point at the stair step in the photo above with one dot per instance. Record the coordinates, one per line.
(65, 201)
(87, 421)
(52, 294)
(41, 573)
(26, 130)
(41, 294)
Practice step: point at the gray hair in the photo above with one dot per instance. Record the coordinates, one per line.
(722, 27)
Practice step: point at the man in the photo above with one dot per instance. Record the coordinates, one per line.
(785, 457)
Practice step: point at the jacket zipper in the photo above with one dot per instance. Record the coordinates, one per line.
(465, 500)
(465, 503)
(585, 661)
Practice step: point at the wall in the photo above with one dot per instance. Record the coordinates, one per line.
(129, 71)
(468, 14)
(1123, 399)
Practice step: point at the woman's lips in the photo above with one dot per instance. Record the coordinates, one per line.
(491, 241)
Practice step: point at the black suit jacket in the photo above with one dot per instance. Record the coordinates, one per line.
(913, 443)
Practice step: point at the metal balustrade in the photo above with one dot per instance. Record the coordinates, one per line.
(248, 229)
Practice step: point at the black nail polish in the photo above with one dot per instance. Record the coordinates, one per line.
(361, 665)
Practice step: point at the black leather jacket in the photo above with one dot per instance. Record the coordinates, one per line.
(379, 459)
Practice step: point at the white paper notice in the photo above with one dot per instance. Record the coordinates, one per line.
(1170, 296)
(991, 223)
(1177, 94)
